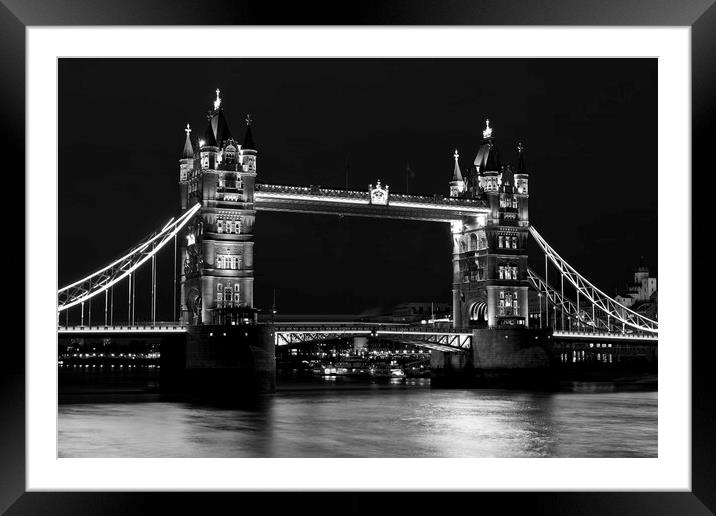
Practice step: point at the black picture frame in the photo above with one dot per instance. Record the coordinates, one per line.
(700, 15)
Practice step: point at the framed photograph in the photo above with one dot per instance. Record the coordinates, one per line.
(422, 252)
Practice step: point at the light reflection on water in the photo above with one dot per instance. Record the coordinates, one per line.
(335, 419)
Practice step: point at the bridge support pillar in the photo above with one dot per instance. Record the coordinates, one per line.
(227, 362)
(515, 357)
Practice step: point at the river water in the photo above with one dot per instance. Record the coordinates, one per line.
(341, 417)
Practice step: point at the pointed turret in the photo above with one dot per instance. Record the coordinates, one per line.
(487, 161)
(488, 157)
(521, 174)
(457, 184)
(209, 138)
(188, 152)
(248, 149)
(249, 137)
(186, 163)
(217, 122)
(456, 174)
(521, 167)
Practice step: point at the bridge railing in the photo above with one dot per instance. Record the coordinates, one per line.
(365, 328)
(313, 191)
(605, 335)
(159, 325)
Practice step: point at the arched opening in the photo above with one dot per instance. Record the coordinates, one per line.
(478, 314)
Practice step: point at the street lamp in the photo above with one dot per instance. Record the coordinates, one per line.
(539, 295)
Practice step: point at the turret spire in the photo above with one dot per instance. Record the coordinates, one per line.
(488, 158)
(217, 102)
(521, 167)
(487, 133)
(249, 137)
(457, 174)
(188, 149)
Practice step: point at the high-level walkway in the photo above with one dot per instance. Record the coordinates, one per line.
(328, 201)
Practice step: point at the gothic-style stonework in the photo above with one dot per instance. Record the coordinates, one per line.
(217, 247)
(489, 253)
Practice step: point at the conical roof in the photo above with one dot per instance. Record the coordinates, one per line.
(457, 173)
(521, 167)
(188, 152)
(249, 137)
(209, 138)
(220, 127)
(488, 157)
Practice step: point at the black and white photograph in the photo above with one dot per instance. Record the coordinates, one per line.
(360, 260)
(357, 258)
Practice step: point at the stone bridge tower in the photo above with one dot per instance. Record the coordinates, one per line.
(216, 268)
(490, 282)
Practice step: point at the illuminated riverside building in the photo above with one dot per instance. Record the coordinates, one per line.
(216, 278)
(490, 285)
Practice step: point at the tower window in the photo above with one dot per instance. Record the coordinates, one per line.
(501, 241)
(228, 261)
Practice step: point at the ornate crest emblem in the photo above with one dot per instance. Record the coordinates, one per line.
(379, 194)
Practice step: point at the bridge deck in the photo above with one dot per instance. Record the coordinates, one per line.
(287, 333)
(327, 201)
(575, 335)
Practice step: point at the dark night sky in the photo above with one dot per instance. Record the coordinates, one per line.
(589, 127)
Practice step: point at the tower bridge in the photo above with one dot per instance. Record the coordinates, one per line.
(486, 206)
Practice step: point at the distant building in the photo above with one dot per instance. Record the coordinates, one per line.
(413, 312)
(641, 296)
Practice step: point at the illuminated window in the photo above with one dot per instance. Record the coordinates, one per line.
(236, 298)
(219, 225)
(219, 296)
(514, 242)
(236, 287)
(220, 262)
(219, 288)
(502, 242)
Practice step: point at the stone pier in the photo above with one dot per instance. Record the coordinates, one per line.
(220, 361)
(515, 357)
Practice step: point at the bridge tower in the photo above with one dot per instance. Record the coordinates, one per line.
(216, 275)
(490, 283)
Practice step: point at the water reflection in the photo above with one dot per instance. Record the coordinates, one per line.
(333, 418)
